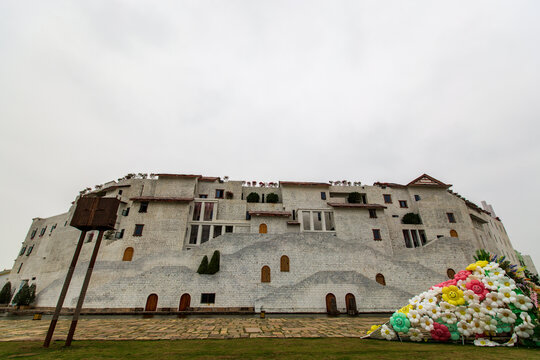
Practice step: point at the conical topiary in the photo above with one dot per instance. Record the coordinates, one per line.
(214, 263)
(203, 268)
(5, 294)
(23, 297)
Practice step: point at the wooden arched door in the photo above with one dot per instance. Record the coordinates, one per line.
(331, 305)
(453, 233)
(128, 254)
(350, 303)
(284, 263)
(380, 279)
(263, 229)
(450, 272)
(265, 274)
(185, 301)
(151, 303)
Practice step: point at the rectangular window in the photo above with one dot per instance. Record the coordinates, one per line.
(208, 298)
(377, 234)
(205, 233)
(52, 228)
(219, 193)
(193, 234)
(417, 197)
(372, 213)
(144, 207)
(329, 221)
(197, 211)
(228, 229)
(407, 238)
(451, 217)
(138, 230)
(306, 220)
(208, 211)
(29, 251)
(248, 217)
(403, 203)
(317, 222)
(20, 267)
(217, 230)
(387, 198)
(120, 192)
(33, 234)
(125, 212)
(294, 215)
(423, 238)
(42, 231)
(90, 237)
(363, 198)
(203, 196)
(119, 234)
(323, 195)
(22, 251)
(414, 234)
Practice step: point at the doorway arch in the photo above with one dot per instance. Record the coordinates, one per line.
(151, 303)
(380, 279)
(265, 274)
(284, 264)
(263, 229)
(185, 301)
(451, 273)
(331, 305)
(453, 233)
(128, 254)
(350, 303)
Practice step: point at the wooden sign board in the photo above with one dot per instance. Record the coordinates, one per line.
(95, 213)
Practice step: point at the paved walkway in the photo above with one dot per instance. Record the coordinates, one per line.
(191, 328)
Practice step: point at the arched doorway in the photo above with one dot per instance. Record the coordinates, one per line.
(350, 303)
(265, 274)
(450, 273)
(185, 301)
(453, 233)
(380, 279)
(284, 263)
(128, 254)
(151, 303)
(263, 229)
(331, 305)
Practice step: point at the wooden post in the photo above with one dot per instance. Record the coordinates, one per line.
(63, 293)
(83, 290)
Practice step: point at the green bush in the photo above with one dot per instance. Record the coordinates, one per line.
(213, 267)
(25, 296)
(203, 268)
(253, 198)
(272, 198)
(411, 218)
(354, 198)
(5, 293)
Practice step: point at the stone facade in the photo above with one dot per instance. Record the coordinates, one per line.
(332, 246)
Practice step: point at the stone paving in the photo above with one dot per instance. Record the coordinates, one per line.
(192, 328)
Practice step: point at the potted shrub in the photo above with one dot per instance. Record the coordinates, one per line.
(253, 197)
(272, 198)
(203, 268)
(213, 267)
(229, 195)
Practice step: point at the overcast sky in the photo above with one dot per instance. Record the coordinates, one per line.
(270, 90)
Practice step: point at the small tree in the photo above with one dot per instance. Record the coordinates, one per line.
(272, 198)
(32, 294)
(411, 218)
(203, 268)
(253, 197)
(24, 296)
(213, 267)
(5, 293)
(354, 198)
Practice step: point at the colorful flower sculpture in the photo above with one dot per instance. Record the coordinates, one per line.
(489, 297)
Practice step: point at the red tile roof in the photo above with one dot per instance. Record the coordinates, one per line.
(432, 182)
(161, 199)
(303, 183)
(270, 213)
(188, 176)
(357, 206)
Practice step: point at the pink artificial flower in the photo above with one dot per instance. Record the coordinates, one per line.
(440, 332)
(445, 284)
(478, 288)
(462, 275)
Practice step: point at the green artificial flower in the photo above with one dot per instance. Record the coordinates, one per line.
(502, 327)
(454, 333)
(400, 322)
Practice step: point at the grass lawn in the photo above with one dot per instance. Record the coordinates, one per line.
(327, 348)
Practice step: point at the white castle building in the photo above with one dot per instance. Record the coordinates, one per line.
(295, 254)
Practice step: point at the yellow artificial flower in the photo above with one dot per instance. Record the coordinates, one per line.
(405, 309)
(373, 328)
(473, 266)
(453, 295)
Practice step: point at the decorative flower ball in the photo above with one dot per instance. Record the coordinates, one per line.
(453, 295)
(400, 322)
(440, 332)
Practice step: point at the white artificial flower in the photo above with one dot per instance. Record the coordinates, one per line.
(422, 308)
(462, 313)
(484, 342)
(490, 283)
(507, 282)
(523, 332)
(449, 318)
(465, 328)
(512, 341)
(506, 316)
(426, 323)
(490, 323)
(496, 297)
(415, 334)
(447, 306)
(522, 302)
(508, 295)
(434, 292)
(489, 307)
(415, 300)
(491, 266)
(471, 297)
(478, 272)
(497, 273)
(475, 310)
(434, 312)
(387, 333)
(431, 300)
(413, 316)
(526, 319)
(478, 326)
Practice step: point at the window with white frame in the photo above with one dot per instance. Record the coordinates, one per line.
(317, 220)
